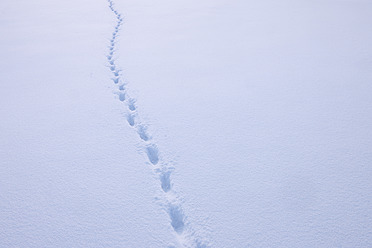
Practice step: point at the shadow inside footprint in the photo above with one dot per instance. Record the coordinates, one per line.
(131, 105)
(121, 96)
(177, 218)
(130, 119)
(165, 181)
(152, 154)
(116, 80)
(142, 133)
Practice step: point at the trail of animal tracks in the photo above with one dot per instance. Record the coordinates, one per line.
(172, 202)
(185, 124)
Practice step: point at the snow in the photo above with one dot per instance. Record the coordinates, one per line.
(212, 124)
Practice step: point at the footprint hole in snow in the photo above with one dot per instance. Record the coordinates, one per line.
(165, 181)
(121, 96)
(142, 132)
(153, 154)
(131, 104)
(130, 119)
(116, 80)
(177, 218)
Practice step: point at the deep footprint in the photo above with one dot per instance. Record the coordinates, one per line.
(177, 218)
(122, 98)
(116, 80)
(142, 133)
(130, 119)
(165, 181)
(152, 154)
(131, 105)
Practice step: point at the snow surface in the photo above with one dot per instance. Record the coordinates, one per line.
(214, 123)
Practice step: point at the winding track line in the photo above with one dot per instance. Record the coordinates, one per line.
(178, 220)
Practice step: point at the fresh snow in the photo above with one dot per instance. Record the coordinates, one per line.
(176, 124)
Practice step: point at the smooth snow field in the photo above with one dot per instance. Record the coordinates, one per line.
(186, 123)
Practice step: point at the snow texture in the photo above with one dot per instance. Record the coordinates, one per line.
(184, 124)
